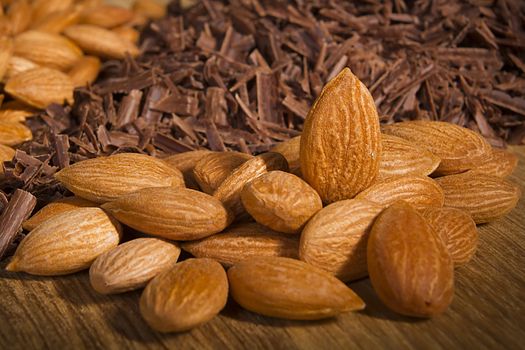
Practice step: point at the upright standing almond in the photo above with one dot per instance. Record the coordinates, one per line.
(104, 179)
(189, 294)
(341, 140)
(186, 162)
(67, 243)
(459, 149)
(291, 150)
(20, 16)
(408, 264)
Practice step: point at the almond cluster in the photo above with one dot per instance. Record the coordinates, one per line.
(345, 200)
(49, 47)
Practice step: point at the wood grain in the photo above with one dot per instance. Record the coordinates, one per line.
(488, 310)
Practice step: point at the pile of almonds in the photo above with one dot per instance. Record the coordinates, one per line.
(49, 47)
(345, 200)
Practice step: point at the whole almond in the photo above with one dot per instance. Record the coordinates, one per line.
(67, 243)
(104, 179)
(243, 241)
(484, 197)
(6, 51)
(57, 21)
(20, 15)
(291, 150)
(401, 157)
(40, 87)
(281, 201)
(408, 264)
(419, 191)
(341, 140)
(16, 111)
(501, 163)
(105, 16)
(55, 208)
(214, 168)
(186, 162)
(229, 192)
(150, 8)
(6, 154)
(459, 148)
(289, 288)
(47, 49)
(172, 213)
(17, 65)
(13, 133)
(189, 294)
(335, 238)
(132, 265)
(128, 33)
(100, 42)
(44, 8)
(457, 230)
(85, 70)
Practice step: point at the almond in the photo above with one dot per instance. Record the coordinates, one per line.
(104, 179)
(335, 238)
(67, 243)
(214, 168)
(55, 208)
(409, 265)
(6, 51)
(106, 16)
(341, 140)
(6, 154)
(419, 191)
(17, 65)
(44, 8)
(85, 70)
(13, 133)
(150, 8)
(189, 294)
(459, 148)
(128, 33)
(19, 14)
(501, 163)
(484, 197)
(229, 192)
(291, 150)
(185, 162)
(172, 213)
(132, 265)
(16, 111)
(401, 157)
(40, 87)
(281, 201)
(100, 42)
(47, 49)
(457, 230)
(291, 289)
(243, 241)
(57, 21)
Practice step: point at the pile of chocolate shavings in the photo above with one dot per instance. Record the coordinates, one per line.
(242, 75)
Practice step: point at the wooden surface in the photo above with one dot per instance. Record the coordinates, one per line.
(487, 312)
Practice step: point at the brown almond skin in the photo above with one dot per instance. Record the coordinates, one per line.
(132, 265)
(419, 191)
(241, 242)
(459, 148)
(56, 22)
(229, 192)
(6, 51)
(290, 289)
(67, 243)
(457, 230)
(408, 264)
(335, 238)
(6, 154)
(189, 294)
(104, 179)
(214, 168)
(291, 150)
(55, 208)
(106, 16)
(185, 162)
(501, 163)
(484, 197)
(401, 158)
(14, 133)
(85, 70)
(341, 140)
(19, 15)
(281, 201)
(172, 213)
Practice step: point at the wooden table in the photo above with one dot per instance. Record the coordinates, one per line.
(488, 310)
